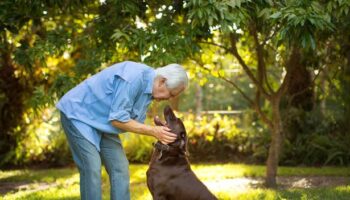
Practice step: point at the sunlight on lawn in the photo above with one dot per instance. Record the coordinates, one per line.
(227, 171)
(60, 188)
(67, 186)
(226, 181)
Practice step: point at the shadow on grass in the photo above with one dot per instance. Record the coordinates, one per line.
(37, 175)
(28, 179)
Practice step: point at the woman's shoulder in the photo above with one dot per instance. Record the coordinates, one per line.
(129, 70)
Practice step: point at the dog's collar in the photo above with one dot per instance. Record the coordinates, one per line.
(162, 147)
(166, 148)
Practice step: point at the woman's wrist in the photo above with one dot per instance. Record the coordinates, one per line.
(150, 130)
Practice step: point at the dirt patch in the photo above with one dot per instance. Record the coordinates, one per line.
(6, 187)
(291, 182)
(312, 181)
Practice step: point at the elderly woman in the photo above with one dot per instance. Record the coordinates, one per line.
(111, 102)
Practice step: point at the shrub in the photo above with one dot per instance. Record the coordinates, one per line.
(210, 139)
(317, 139)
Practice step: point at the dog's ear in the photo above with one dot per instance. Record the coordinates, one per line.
(158, 122)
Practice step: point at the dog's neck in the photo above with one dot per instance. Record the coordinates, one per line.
(176, 148)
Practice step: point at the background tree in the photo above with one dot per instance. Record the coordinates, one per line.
(279, 34)
(29, 32)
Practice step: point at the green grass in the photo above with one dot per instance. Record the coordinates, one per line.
(64, 183)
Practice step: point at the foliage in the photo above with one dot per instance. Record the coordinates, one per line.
(43, 143)
(138, 148)
(299, 20)
(320, 140)
(277, 35)
(48, 140)
(217, 138)
(210, 139)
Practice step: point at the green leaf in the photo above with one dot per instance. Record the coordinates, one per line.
(264, 12)
(118, 34)
(276, 15)
(200, 14)
(312, 41)
(332, 156)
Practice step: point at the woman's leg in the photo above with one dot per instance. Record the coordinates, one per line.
(117, 166)
(87, 158)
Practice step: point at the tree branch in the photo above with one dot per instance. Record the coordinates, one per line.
(253, 104)
(234, 51)
(215, 44)
(263, 116)
(225, 79)
(261, 62)
(294, 57)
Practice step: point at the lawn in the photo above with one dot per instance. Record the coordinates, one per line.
(227, 181)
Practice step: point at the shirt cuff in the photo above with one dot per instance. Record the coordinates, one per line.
(121, 116)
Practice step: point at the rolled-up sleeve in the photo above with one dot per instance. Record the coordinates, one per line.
(142, 117)
(123, 101)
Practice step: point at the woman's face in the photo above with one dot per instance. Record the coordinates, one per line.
(161, 92)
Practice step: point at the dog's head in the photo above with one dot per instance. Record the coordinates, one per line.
(176, 125)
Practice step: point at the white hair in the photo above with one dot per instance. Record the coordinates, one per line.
(175, 75)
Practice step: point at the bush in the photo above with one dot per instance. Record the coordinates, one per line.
(138, 148)
(218, 139)
(210, 139)
(42, 142)
(317, 139)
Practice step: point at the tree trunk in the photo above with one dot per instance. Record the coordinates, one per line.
(275, 146)
(300, 90)
(11, 103)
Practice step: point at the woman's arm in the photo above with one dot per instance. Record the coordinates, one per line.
(162, 133)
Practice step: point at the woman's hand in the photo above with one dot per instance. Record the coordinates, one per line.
(163, 134)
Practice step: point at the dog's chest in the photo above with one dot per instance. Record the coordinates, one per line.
(167, 169)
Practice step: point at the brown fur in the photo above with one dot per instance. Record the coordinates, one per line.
(169, 176)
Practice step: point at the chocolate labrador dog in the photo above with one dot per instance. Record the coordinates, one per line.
(169, 176)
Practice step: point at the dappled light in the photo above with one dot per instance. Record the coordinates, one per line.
(227, 181)
(227, 171)
(234, 185)
(266, 110)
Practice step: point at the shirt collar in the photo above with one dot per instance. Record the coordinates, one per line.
(149, 80)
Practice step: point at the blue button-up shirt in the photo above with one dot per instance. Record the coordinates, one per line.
(120, 92)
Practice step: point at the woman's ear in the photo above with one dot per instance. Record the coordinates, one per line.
(162, 81)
